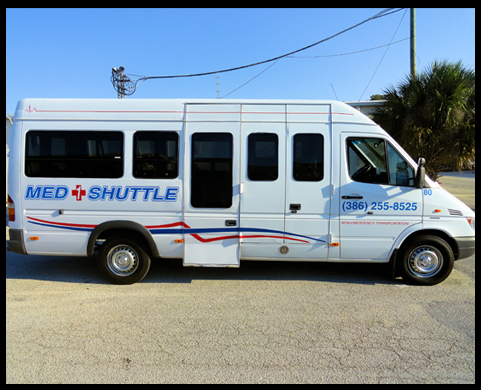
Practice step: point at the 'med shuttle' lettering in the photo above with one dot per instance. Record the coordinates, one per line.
(102, 193)
(133, 193)
(46, 192)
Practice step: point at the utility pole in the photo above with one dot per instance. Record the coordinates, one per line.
(413, 43)
(218, 90)
(120, 80)
(121, 94)
(122, 83)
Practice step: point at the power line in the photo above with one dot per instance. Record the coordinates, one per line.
(120, 82)
(325, 56)
(352, 52)
(378, 15)
(385, 52)
(271, 65)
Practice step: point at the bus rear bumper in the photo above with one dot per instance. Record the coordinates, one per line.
(15, 243)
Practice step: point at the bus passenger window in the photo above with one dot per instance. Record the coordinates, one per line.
(308, 157)
(74, 154)
(263, 159)
(156, 155)
(212, 170)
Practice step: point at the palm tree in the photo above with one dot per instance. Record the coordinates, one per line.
(433, 115)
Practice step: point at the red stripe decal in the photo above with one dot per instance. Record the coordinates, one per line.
(171, 225)
(63, 224)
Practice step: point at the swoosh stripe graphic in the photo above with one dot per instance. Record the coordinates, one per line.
(186, 229)
(68, 226)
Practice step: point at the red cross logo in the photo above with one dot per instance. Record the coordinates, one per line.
(78, 193)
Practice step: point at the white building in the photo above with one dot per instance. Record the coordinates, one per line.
(366, 107)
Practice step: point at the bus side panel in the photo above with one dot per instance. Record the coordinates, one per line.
(14, 167)
(59, 213)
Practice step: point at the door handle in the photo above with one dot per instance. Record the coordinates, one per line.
(295, 207)
(231, 222)
(352, 197)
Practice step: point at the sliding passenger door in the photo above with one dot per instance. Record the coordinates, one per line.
(211, 201)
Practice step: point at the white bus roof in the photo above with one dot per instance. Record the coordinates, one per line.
(174, 109)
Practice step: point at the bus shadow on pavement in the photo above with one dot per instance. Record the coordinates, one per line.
(172, 271)
(84, 270)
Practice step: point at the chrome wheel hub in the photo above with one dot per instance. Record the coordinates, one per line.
(123, 260)
(425, 261)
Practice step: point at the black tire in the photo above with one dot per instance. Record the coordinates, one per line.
(122, 261)
(426, 260)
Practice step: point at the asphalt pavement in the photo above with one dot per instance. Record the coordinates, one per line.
(461, 185)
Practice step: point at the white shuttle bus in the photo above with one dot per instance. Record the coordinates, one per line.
(213, 182)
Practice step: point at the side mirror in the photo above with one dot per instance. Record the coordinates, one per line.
(420, 174)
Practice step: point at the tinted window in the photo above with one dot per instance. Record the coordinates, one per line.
(211, 184)
(263, 159)
(373, 160)
(308, 157)
(400, 172)
(79, 154)
(156, 155)
(367, 160)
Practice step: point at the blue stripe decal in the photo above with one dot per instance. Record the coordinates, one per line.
(277, 232)
(166, 231)
(62, 227)
(182, 230)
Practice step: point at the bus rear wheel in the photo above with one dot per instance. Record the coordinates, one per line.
(122, 261)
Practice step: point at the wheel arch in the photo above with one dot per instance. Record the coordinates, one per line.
(410, 234)
(431, 232)
(130, 229)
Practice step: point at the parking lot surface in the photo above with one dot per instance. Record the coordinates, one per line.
(262, 323)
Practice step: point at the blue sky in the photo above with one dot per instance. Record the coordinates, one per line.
(69, 53)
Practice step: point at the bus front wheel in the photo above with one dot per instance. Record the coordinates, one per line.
(427, 260)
